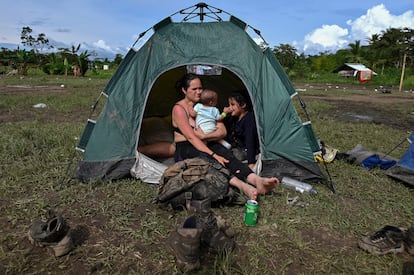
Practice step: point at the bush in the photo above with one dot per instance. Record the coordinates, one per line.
(54, 68)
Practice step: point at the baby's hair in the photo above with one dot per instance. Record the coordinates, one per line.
(207, 96)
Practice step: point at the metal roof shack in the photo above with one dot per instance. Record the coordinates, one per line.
(360, 71)
(351, 69)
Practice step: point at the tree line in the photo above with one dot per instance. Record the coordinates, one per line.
(384, 51)
(48, 58)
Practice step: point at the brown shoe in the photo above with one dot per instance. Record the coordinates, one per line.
(387, 240)
(53, 234)
(63, 247)
(51, 231)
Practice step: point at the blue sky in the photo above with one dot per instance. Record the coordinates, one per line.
(113, 26)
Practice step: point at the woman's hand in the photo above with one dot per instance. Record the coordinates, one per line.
(199, 133)
(218, 134)
(220, 159)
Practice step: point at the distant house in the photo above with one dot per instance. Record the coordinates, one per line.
(359, 71)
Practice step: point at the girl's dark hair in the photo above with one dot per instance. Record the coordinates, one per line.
(184, 82)
(242, 98)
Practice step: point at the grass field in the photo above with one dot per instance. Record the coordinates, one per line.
(121, 231)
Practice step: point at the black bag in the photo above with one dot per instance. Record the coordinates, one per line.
(197, 179)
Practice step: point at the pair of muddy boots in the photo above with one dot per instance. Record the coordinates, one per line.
(54, 233)
(200, 230)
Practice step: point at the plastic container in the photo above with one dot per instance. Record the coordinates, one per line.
(299, 186)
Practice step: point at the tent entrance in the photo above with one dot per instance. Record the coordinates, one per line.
(156, 126)
(163, 94)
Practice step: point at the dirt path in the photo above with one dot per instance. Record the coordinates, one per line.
(373, 106)
(370, 98)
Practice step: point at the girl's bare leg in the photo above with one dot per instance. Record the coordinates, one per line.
(247, 189)
(263, 185)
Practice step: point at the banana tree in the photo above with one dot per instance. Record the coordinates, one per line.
(83, 62)
(22, 57)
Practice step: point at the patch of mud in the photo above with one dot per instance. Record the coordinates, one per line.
(328, 87)
(44, 115)
(378, 114)
(379, 109)
(30, 89)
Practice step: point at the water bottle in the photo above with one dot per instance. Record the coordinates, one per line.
(299, 186)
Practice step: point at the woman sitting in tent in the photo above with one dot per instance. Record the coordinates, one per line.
(189, 142)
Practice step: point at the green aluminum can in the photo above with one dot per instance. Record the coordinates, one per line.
(251, 212)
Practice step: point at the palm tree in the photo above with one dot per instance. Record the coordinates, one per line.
(374, 39)
(355, 51)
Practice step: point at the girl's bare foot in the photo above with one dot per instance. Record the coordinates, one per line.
(263, 185)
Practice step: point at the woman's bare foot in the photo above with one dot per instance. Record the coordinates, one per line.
(247, 189)
(263, 185)
(250, 191)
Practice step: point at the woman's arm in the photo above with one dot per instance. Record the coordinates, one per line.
(218, 134)
(180, 118)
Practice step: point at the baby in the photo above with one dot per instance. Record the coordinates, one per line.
(207, 114)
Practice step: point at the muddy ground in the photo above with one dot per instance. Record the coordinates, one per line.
(374, 106)
(377, 105)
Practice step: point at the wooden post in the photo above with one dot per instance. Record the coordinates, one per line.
(402, 72)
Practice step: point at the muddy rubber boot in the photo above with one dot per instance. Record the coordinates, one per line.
(409, 241)
(185, 244)
(211, 236)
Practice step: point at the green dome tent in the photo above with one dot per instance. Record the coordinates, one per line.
(143, 86)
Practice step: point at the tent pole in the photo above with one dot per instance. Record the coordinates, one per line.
(396, 146)
(329, 180)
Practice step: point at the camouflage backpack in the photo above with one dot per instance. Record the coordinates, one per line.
(197, 179)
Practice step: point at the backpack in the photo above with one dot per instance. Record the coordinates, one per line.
(198, 179)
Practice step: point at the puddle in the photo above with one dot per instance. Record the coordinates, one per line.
(358, 117)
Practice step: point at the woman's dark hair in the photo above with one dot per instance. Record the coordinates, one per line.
(242, 98)
(184, 82)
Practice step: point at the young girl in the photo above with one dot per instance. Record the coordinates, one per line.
(242, 128)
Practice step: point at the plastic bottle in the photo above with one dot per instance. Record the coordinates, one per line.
(299, 186)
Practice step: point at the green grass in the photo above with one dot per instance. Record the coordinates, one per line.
(125, 231)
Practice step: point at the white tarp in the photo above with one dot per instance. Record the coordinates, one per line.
(147, 169)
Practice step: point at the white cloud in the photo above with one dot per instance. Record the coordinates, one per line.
(333, 37)
(328, 37)
(378, 19)
(102, 45)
